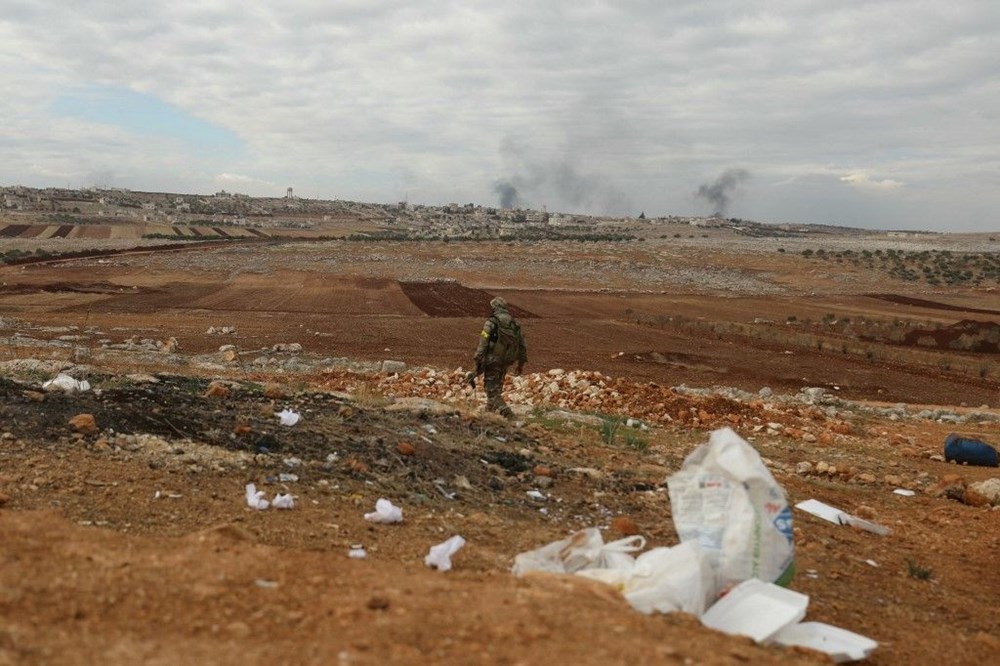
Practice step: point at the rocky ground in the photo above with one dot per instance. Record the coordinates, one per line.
(126, 537)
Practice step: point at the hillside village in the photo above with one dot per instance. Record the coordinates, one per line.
(403, 219)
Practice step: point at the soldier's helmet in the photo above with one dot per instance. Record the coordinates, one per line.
(498, 303)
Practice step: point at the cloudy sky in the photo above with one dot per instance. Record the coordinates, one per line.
(858, 112)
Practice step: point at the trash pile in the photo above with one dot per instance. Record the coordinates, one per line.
(733, 564)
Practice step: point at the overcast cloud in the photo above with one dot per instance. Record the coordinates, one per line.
(864, 113)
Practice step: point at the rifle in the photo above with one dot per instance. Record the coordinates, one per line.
(470, 376)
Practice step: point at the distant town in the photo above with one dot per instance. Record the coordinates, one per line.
(178, 213)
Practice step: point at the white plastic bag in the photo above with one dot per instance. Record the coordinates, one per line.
(725, 499)
(619, 554)
(439, 556)
(255, 498)
(287, 417)
(670, 579)
(579, 550)
(67, 384)
(385, 512)
(283, 501)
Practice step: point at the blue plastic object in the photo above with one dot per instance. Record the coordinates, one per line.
(969, 451)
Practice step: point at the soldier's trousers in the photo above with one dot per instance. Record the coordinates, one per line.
(493, 382)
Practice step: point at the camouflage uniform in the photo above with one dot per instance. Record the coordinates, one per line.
(495, 368)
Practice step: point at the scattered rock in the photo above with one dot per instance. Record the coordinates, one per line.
(217, 390)
(378, 603)
(393, 367)
(228, 353)
(589, 472)
(803, 468)
(414, 404)
(274, 391)
(624, 526)
(541, 470)
(84, 423)
(866, 512)
(988, 490)
(238, 629)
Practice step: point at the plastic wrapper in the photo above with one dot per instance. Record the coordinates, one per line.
(255, 498)
(385, 512)
(439, 556)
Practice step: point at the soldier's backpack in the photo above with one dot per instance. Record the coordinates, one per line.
(505, 341)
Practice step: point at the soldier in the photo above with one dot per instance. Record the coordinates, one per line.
(501, 345)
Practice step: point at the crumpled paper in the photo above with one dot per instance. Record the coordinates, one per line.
(288, 417)
(439, 556)
(385, 512)
(255, 498)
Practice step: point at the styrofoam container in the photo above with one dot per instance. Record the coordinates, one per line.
(822, 510)
(842, 645)
(756, 609)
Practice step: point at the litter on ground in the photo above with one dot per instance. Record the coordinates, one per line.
(287, 417)
(439, 556)
(735, 559)
(838, 517)
(255, 498)
(385, 512)
(66, 384)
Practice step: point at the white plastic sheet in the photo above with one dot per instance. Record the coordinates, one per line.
(385, 512)
(439, 556)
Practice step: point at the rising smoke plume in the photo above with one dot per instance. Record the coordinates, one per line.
(555, 183)
(508, 194)
(720, 192)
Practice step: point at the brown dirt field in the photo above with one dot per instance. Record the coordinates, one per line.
(97, 566)
(93, 232)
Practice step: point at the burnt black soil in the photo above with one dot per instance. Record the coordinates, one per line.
(362, 441)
